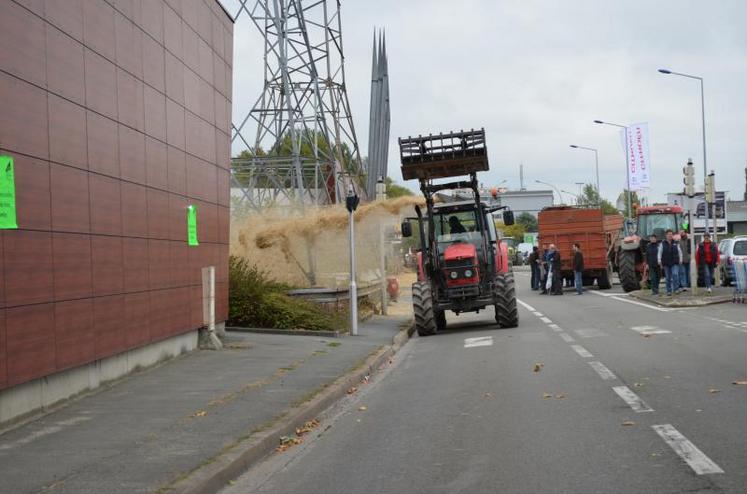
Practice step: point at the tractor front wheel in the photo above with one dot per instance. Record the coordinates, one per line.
(628, 275)
(422, 305)
(506, 312)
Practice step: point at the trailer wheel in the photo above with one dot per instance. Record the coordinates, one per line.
(628, 275)
(422, 304)
(506, 313)
(440, 320)
(605, 280)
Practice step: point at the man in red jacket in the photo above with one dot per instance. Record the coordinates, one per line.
(708, 257)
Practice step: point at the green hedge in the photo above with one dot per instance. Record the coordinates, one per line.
(255, 300)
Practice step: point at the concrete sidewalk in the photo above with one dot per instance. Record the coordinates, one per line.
(719, 295)
(153, 428)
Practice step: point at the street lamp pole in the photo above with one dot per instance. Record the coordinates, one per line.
(702, 115)
(596, 161)
(556, 189)
(627, 162)
(572, 194)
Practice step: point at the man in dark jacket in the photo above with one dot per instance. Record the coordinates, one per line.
(535, 267)
(557, 282)
(670, 257)
(652, 260)
(545, 262)
(707, 256)
(578, 269)
(685, 267)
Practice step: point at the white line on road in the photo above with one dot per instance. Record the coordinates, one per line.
(694, 457)
(566, 337)
(526, 306)
(660, 309)
(608, 294)
(589, 333)
(649, 330)
(602, 370)
(479, 341)
(582, 351)
(45, 431)
(632, 399)
(546, 320)
(554, 327)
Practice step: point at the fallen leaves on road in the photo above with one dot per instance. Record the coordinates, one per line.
(200, 413)
(307, 427)
(638, 385)
(287, 442)
(486, 396)
(538, 366)
(714, 390)
(646, 335)
(546, 395)
(560, 396)
(362, 408)
(352, 390)
(740, 383)
(627, 423)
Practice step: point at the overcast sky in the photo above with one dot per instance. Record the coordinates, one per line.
(535, 74)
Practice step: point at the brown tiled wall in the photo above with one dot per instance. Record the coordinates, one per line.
(117, 113)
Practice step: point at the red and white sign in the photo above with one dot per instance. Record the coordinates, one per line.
(638, 156)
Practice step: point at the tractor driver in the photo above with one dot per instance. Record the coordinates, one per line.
(456, 226)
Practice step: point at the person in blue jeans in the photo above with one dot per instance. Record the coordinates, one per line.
(578, 269)
(670, 258)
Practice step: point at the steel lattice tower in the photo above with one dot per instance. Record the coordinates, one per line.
(304, 149)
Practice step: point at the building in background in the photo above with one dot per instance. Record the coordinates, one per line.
(736, 212)
(117, 116)
(698, 219)
(525, 201)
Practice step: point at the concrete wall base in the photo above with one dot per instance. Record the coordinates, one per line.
(40, 395)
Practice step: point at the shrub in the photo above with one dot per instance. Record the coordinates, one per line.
(255, 300)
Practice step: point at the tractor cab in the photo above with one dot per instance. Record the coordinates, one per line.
(656, 220)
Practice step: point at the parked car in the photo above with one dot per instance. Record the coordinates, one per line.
(731, 249)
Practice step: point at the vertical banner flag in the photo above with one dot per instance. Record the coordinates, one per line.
(7, 194)
(638, 156)
(192, 225)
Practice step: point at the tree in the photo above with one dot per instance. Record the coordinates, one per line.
(623, 200)
(515, 231)
(394, 190)
(590, 197)
(528, 221)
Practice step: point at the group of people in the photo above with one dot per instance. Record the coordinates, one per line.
(670, 259)
(545, 268)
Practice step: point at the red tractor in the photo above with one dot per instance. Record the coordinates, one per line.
(462, 264)
(631, 258)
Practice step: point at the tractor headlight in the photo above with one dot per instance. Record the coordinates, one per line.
(453, 275)
(468, 273)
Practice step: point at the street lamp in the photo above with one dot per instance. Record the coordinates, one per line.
(702, 114)
(556, 189)
(627, 162)
(596, 160)
(571, 193)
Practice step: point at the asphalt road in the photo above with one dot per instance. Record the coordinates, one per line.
(628, 398)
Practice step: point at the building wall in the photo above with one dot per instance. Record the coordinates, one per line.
(117, 114)
(526, 201)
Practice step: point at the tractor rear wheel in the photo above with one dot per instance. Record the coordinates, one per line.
(440, 320)
(605, 280)
(628, 275)
(422, 305)
(506, 313)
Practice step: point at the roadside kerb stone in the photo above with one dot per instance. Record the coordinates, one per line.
(684, 300)
(217, 472)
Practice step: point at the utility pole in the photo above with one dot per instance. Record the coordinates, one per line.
(689, 180)
(381, 196)
(351, 203)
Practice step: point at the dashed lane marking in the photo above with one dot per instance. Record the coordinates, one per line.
(589, 333)
(555, 327)
(602, 370)
(479, 341)
(624, 298)
(527, 306)
(582, 351)
(546, 320)
(632, 399)
(698, 461)
(649, 330)
(566, 337)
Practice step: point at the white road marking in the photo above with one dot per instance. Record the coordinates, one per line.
(555, 327)
(632, 399)
(660, 309)
(649, 330)
(602, 370)
(582, 351)
(538, 314)
(590, 333)
(686, 450)
(479, 341)
(526, 306)
(44, 431)
(566, 337)
(601, 294)
(546, 320)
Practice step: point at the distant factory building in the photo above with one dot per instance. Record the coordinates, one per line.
(525, 201)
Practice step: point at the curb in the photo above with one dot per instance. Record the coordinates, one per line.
(673, 303)
(293, 332)
(217, 473)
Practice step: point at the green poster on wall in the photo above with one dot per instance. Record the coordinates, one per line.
(192, 225)
(7, 194)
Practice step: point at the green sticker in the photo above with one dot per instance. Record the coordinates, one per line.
(7, 194)
(192, 225)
